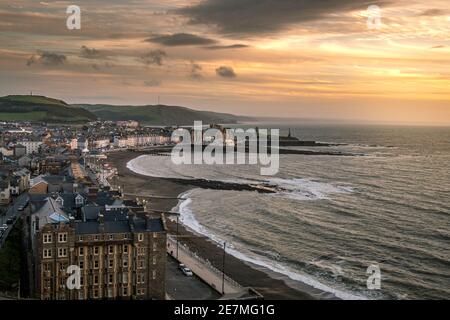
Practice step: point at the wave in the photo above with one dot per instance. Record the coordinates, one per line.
(188, 219)
(293, 188)
(307, 189)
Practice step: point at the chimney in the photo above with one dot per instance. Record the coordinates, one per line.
(131, 217)
(101, 222)
(147, 222)
(72, 221)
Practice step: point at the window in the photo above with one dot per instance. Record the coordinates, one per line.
(125, 236)
(111, 249)
(95, 279)
(96, 238)
(141, 237)
(81, 264)
(125, 263)
(110, 293)
(79, 200)
(95, 293)
(96, 264)
(62, 252)
(111, 263)
(47, 238)
(62, 237)
(80, 295)
(141, 292)
(111, 237)
(47, 253)
(81, 251)
(81, 280)
(154, 260)
(141, 264)
(154, 246)
(125, 248)
(154, 274)
(125, 278)
(140, 279)
(80, 238)
(111, 279)
(124, 291)
(96, 250)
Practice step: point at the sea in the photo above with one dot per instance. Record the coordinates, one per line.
(340, 223)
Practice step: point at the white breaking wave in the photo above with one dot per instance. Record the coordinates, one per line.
(296, 188)
(188, 219)
(307, 189)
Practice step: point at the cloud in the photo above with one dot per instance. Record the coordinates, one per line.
(438, 47)
(47, 58)
(181, 39)
(196, 71)
(152, 83)
(253, 17)
(233, 46)
(90, 53)
(433, 13)
(226, 72)
(154, 57)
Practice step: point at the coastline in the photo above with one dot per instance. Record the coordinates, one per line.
(270, 284)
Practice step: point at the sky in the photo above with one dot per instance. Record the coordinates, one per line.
(280, 58)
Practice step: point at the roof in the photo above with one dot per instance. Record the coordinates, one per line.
(121, 226)
(51, 212)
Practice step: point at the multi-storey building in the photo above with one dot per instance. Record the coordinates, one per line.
(119, 255)
(31, 146)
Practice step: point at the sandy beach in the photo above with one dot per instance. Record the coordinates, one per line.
(271, 285)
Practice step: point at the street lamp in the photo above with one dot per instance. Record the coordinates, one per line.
(223, 267)
(177, 237)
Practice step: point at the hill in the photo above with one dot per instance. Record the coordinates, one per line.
(41, 109)
(159, 114)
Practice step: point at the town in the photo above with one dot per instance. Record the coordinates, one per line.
(62, 205)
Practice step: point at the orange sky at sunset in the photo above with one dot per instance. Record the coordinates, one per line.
(282, 58)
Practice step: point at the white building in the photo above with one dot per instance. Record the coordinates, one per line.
(31, 146)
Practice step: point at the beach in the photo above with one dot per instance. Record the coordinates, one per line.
(270, 284)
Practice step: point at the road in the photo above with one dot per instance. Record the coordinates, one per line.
(202, 269)
(12, 213)
(180, 287)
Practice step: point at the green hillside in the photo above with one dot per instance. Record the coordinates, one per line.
(41, 109)
(159, 114)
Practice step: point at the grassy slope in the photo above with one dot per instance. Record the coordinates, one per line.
(40, 108)
(158, 115)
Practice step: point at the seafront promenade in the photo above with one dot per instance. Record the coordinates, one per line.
(202, 268)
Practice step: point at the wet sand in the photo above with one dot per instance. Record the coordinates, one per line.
(270, 284)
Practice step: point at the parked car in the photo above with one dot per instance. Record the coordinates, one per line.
(10, 221)
(187, 272)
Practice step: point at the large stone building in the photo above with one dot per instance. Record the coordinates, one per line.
(120, 255)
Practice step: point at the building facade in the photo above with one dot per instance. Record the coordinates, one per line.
(120, 256)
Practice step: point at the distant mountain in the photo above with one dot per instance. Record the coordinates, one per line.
(41, 109)
(159, 114)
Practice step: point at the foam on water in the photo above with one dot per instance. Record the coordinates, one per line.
(295, 188)
(188, 219)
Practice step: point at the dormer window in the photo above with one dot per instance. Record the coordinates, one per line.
(79, 200)
(60, 201)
